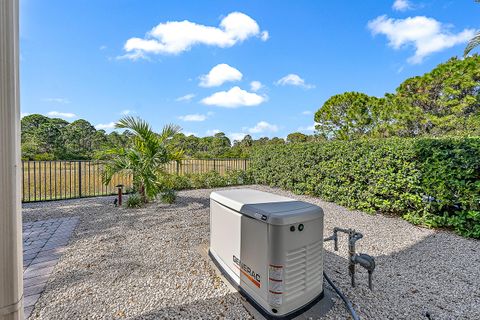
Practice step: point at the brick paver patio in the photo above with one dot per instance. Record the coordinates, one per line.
(43, 244)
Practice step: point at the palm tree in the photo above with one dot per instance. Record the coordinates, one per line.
(473, 43)
(144, 158)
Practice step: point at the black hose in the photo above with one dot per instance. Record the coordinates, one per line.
(348, 304)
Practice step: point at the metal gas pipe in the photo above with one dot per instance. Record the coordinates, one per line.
(364, 260)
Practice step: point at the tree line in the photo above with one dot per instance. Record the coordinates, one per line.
(45, 138)
(444, 101)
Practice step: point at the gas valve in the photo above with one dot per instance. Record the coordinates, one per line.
(363, 259)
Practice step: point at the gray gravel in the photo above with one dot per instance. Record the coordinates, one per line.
(144, 264)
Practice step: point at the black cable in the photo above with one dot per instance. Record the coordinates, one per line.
(348, 304)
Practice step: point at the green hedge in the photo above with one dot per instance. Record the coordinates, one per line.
(427, 181)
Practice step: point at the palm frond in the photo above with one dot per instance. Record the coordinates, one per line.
(109, 153)
(474, 42)
(138, 126)
(176, 155)
(169, 131)
(113, 167)
(114, 152)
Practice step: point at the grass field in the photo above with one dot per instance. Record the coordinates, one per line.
(54, 180)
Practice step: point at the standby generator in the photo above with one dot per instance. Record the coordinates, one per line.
(270, 248)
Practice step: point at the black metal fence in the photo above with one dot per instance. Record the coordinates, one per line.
(187, 166)
(56, 180)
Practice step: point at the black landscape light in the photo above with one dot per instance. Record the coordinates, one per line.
(120, 187)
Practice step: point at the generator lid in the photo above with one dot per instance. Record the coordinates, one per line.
(267, 207)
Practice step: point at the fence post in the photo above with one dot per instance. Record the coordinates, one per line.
(79, 179)
(245, 164)
(177, 167)
(214, 165)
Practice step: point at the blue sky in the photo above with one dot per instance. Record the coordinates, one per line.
(242, 67)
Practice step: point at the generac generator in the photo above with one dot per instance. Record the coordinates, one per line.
(270, 248)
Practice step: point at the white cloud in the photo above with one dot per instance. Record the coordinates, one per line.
(264, 35)
(136, 55)
(188, 133)
(401, 5)
(193, 117)
(220, 74)
(24, 114)
(57, 100)
(126, 112)
(308, 128)
(104, 126)
(67, 115)
(294, 80)
(233, 98)
(255, 86)
(263, 126)
(103, 47)
(426, 35)
(212, 132)
(306, 112)
(187, 97)
(236, 136)
(175, 37)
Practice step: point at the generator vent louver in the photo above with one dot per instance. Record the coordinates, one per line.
(303, 270)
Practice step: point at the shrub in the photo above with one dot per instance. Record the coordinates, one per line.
(238, 177)
(211, 179)
(168, 196)
(451, 174)
(44, 156)
(432, 182)
(180, 182)
(134, 201)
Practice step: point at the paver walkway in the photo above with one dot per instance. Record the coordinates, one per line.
(43, 244)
